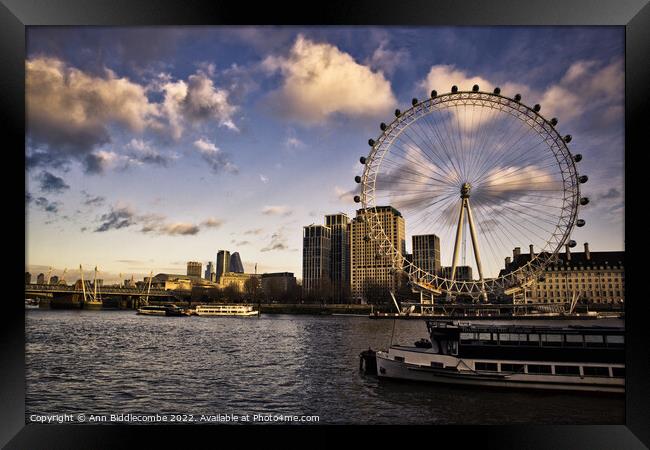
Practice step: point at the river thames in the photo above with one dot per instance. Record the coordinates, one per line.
(116, 362)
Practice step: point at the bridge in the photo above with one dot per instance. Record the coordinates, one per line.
(105, 290)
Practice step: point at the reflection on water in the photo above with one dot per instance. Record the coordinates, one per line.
(107, 362)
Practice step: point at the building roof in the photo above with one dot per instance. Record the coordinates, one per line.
(577, 260)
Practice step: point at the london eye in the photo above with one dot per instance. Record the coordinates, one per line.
(486, 174)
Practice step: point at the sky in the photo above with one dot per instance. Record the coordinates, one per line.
(150, 147)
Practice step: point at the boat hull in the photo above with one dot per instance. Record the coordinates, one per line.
(389, 368)
(243, 314)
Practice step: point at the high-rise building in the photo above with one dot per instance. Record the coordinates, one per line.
(369, 269)
(194, 269)
(223, 263)
(593, 277)
(236, 265)
(316, 251)
(40, 278)
(426, 253)
(463, 273)
(209, 271)
(339, 225)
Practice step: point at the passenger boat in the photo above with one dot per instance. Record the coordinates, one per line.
(225, 310)
(579, 358)
(162, 310)
(31, 303)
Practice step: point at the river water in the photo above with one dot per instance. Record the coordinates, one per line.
(116, 362)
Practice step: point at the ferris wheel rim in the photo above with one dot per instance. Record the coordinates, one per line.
(520, 111)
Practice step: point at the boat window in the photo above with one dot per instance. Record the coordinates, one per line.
(467, 336)
(533, 337)
(514, 368)
(551, 339)
(485, 366)
(485, 336)
(574, 340)
(567, 370)
(594, 340)
(399, 358)
(618, 371)
(615, 340)
(539, 369)
(437, 364)
(596, 371)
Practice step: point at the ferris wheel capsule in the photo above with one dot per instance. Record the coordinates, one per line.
(584, 201)
(567, 138)
(572, 243)
(434, 93)
(580, 223)
(362, 160)
(357, 179)
(371, 142)
(517, 97)
(382, 126)
(414, 101)
(583, 179)
(397, 113)
(454, 89)
(577, 157)
(475, 88)
(357, 199)
(537, 107)
(497, 90)
(553, 121)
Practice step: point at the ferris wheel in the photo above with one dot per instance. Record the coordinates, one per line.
(479, 165)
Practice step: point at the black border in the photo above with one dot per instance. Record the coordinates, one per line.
(633, 14)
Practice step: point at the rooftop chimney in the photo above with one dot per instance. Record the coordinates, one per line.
(532, 253)
(568, 252)
(516, 252)
(587, 254)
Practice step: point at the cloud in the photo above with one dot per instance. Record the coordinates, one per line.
(196, 100)
(611, 194)
(345, 195)
(73, 115)
(264, 179)
(278, 242)
(69, 112)
(386, 59)
(51, 183)
(211, 222)
(124, 216)
(320, 80)
(282, 210)
(47, 206)
(91, 200)
(116, 218)
(216, 159)
(255, 231)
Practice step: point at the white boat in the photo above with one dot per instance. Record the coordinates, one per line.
(153, 310)
(512, 356)
(31, 303)
(225, 310)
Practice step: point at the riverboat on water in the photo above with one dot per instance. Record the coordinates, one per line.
(162, 310)
(578, 358)
(225, 310)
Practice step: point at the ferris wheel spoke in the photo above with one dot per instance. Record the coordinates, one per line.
(519, 226)
(407, 156)
(412, 169)
(431, 143)
(444, 145)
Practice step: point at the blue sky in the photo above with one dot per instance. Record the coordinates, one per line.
(149, 147)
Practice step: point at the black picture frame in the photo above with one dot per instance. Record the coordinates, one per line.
(634, 15)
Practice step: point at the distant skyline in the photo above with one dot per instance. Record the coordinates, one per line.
(150, 147)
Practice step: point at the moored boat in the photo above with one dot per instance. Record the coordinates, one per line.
(589, 358)
(225, 310)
